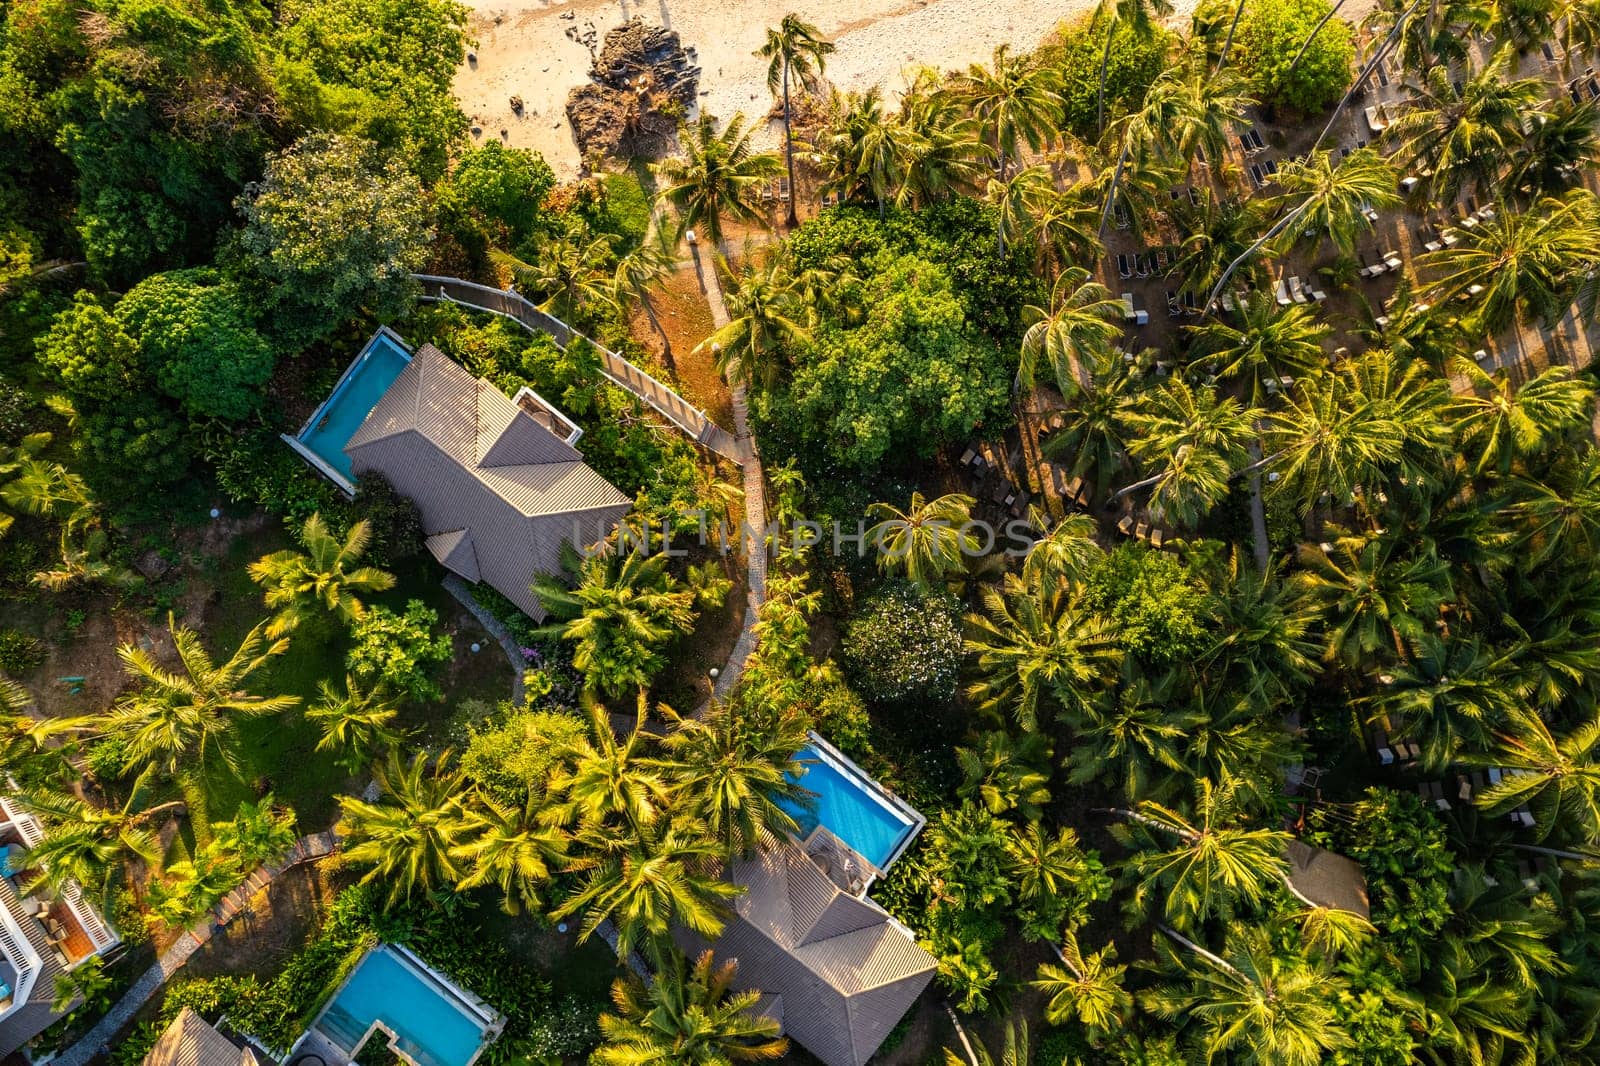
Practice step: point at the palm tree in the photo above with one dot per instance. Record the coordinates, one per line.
(1562, 147)
(409, 837)
(1092, 440)
(1190, 112)
(573, 269)
(795, 49)
(1135, 743)
(1006, 774)
(610, 780)
(324, 576)
(860, 148)
(1201, 865)
(1473, 134)
(1015, 199)
(356, 723)
(1064, 228)
(1334, 197)
(1376, 595)
(1080, 326)
(178, 721)
(717, 176)
(649, 883)
(1452, 695)
(512, 848)
(1016, 1051)
(1498, 423)
(1558, 778)
(1016, 100)
(736, 776)
(1330, 439)
(1140, 16)
(940, 150)
(36, 486)
(88, 844)
(1068, 552)
(638, 271)
(620, 616)
(1559, 517)
(84, 563)
(1035, 647)
(1268, 344)
(1262, 635)
(1255, 1006)
(687, 1018)
(1198, 436)
(928, 541)
(1086, 990)
(764, 322)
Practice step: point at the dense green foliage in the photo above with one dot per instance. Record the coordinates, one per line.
(904, 646)
(1134, 62)
(1269, 39)
(400, 650)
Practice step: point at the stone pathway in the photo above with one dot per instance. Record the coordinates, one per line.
(755, 503)
(508, 644)
(98, 1040)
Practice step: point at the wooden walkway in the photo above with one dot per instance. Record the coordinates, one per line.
(619, 371)
(98, 1040)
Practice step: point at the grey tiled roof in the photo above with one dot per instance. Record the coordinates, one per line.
(191, 1041)
(846, 974)
(479, 466)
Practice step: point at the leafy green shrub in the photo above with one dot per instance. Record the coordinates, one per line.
(1157, 605)
(569, 1029)
(255, 468)
(108, 760)
(400, 650)
(396, 523)
(495, 192)
(1134, 62)
(19, 653)
(905, 646)
(17, 412)
(1270, 35)
(512, 757)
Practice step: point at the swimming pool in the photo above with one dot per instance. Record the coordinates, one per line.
(851, 806)
(363, 383)
(432, 1023)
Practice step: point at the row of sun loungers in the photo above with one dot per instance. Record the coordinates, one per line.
(1153, 261)
(779, 191)
(1138, 527)
(1250, 140)
(1292, 290)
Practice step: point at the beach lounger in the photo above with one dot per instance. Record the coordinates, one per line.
(1284, 299)
(1393, 261)
(1157, 538)
(1122, 266)
(1549, 53)
(1375, 120)
(1255, 136)
(1142, 530)
(783, 190)
(1173, 307)
(1125, 527)
(1141, 265)
(1296, 292)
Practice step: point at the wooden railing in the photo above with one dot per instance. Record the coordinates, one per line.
(662, 398)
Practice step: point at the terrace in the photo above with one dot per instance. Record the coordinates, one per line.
(72, 930)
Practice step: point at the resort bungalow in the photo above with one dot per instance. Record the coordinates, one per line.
(1323, 878)
(499, 485)
(42, 934)
(834, 969)
(192, 1041)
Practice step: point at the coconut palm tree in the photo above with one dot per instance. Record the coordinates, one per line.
(1064, 228)
(1375, 594)
(356, 723)
(1036, 648)
(1580, 30)
(178, 722)
(324, 577)
(1016, 1051)
(1562, 146)
(1333, 197)
(1451, 696)
(32, 485)
(573, 270)
(1498, 423)
(1014, 198)
(639, 271)
(1086, 989)
(940, 150)
(736, 776)
(1194, 438)
(1068, 552)
(608, 780)
(623, 612)
(1255, 1006)
(1092, 440)
(1015, 99)
(1559, 517)
(409, 837)
(1006, 773)
(1140, 17)
(84, 562)
(795, 49)
(1201, 865)
(1331, 439)
(1557, 777)
(764, 322)
(687, 1016)
(859, 148)
(1079, 327)
(1135, 744)
(1469, 135)
(513, 848)
(1262, 636)
(718, 175)
(928, 541)
(649, 882)
(1267, 345)
(89, 844)
(1219, 232)
(1190, 111)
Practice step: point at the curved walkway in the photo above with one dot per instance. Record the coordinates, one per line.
(98, 1040)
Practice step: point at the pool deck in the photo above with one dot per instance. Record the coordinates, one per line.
(871, 788)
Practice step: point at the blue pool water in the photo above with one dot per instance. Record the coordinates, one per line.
(846, 807)
(431, 1027)
(362, 386)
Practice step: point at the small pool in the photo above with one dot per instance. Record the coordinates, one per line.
(852, 806)
(433, 1024)
(364, 382)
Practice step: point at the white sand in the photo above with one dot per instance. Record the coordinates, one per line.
(527, 52)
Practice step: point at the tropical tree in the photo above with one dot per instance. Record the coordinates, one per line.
(1195, 438)
(409, 837)
(1036, 648)
(324, 577)
(1141, 17)
(32, 485)
(1016, 1051)
(1331, 439)
(85, 561)
(1559, 516)
(1201, 865)
(717, 176)
(794, 49)
(939, 150)
(89, 844)
(620, 616)
(687, 1016)
(1079, 327)
(1376, 596)
(1016, 100)
(860, 148)
(606, 780)
(638, 271)
(1268, 345)
(1497, 422)
(1557, 778)
(179, 722)
(573, 270)
(738, 775)
(1190, 111)
(1452, 695)
(1468, 135)
(1088, 990)
(1562, 146)
(1136, 742)
(764, 322)
(356, 723)
(510, 847)
(1334, 197)
(928, 541)
(1068, 552)
(1006, 774)
(1093, 441)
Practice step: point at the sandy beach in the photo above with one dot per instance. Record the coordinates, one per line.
(524, 50)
